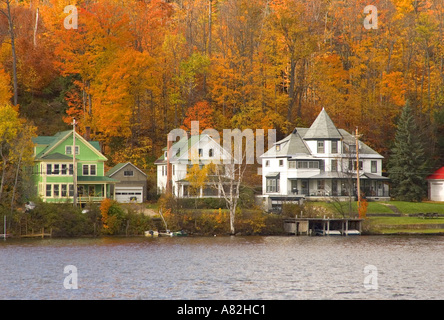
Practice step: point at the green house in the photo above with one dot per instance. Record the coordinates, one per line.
(54, 166)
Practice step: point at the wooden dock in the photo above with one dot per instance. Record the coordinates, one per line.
(323, 226)
(42, 234)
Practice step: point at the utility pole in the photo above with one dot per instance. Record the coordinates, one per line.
(358, 181)
(74, 165)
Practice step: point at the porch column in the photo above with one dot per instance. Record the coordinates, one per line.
(104, 191)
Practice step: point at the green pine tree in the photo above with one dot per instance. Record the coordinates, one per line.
(407, 164)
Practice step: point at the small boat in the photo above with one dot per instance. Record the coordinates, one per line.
(151, 233)
(332, 233)
(319, 232)
(166, 233)
(352, 232)
(169, 233)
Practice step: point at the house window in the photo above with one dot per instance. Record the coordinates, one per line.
(64, 190)
(71, 190)
(48, 190)
(211, 153)
(374, 166)
(267, 163)
(321, 147)
(174, 170)
(334, 165)
(334, 147)
(56, 169)
(308, 165)
(292, 164)
(71, 169)
(281, 163)
(68, 150)
(352, 165)
(278, 147)
(321, 184)
(128, 173)
(49, 169)
(89, 169)
(200, 152)
(64, 169)
(272, 184)
(56, 190)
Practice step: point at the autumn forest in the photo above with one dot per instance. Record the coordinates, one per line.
(133, 70)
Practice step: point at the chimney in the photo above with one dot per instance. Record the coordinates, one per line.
(169, 167)
(87, 135)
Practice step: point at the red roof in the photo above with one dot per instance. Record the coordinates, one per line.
(437, 175)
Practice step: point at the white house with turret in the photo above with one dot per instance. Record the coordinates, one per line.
(320, 163)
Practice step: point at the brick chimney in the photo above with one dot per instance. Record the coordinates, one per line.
(87, 134)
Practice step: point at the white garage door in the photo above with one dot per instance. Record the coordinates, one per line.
(437, 191)
(129, 194)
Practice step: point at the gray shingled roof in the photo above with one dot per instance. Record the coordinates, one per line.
(323, 128)
(294, 145)
(291, 145)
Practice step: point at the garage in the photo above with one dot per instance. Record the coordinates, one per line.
(129, 194)
(436, 185)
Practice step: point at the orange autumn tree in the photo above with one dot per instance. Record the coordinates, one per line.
(202, 112)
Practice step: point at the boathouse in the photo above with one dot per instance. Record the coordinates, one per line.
(323, 226)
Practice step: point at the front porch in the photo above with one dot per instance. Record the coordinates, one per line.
(89, 189)
(338, 185)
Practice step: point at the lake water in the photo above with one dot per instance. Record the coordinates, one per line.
(404, 267)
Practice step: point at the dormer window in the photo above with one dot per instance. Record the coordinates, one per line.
(278, 147)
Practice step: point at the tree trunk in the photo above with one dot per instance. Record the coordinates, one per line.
(16, 179)
(14, 56)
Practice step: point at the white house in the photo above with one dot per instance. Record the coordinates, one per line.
(198, 149)
(436, 185)
(320, 162)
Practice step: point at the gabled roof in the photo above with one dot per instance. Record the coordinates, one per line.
(56, 156)
(363, 148)
(119, 167)
(322, 128)
(184, 145)
(291, 145)
(51, 142)
(437, 175)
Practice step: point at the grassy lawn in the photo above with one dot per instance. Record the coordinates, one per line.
(396, 224)
(417, 207)
(382, 207)
(405, 220)
(405, 224)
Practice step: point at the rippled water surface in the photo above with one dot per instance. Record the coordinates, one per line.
(224, 268)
